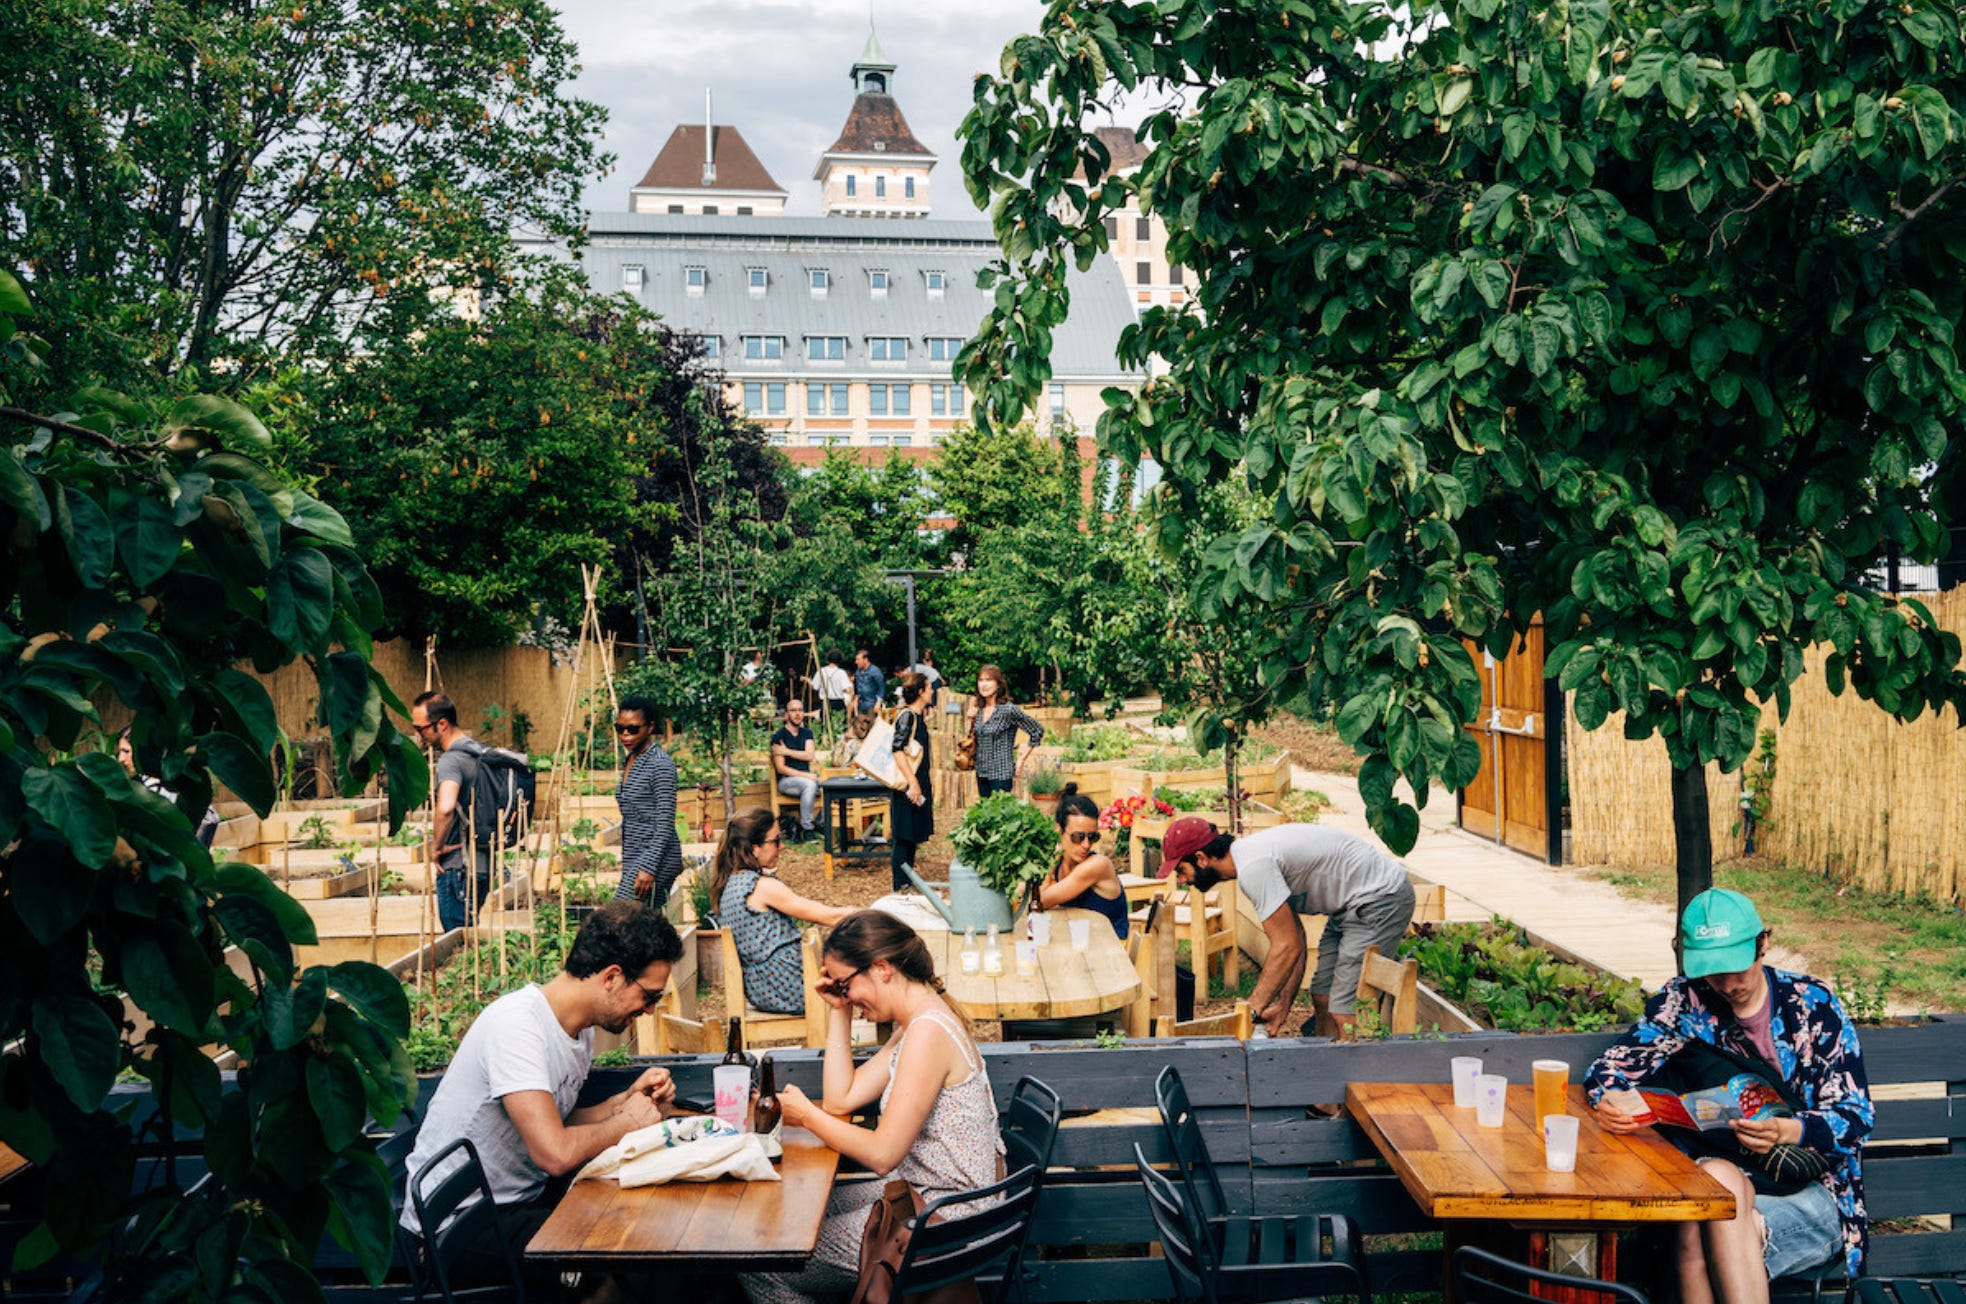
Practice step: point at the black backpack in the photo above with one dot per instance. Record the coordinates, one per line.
(502, 796)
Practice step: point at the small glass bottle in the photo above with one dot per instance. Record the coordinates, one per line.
(971, 960)
(993, 955)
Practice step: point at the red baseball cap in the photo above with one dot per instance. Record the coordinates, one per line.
(1184, 837)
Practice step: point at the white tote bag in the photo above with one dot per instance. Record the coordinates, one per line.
(878, 760)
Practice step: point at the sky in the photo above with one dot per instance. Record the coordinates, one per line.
(779, 73)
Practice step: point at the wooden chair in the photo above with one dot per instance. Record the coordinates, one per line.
(762, 1025)
(666, 1031)
(1150, 946)
(1392, 988)
(1140, 889)
(1429, 903)
(1238, 1023)
(1484, 1278)
(1209, 929)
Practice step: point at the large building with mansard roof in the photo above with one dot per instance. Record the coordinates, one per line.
(841, 328)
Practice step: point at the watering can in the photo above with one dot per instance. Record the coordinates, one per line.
(969, 904)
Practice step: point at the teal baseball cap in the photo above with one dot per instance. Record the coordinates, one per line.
(1717, 934)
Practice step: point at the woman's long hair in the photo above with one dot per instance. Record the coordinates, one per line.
(1002, 696)
(746, 831)
(866, 937)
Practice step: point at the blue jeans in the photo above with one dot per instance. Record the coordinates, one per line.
(453, 911)
(806, 789)
(1802, 1230)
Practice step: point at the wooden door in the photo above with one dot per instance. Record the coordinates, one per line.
(1516, 798)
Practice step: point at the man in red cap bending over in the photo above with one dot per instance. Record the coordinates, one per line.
(1301, 869)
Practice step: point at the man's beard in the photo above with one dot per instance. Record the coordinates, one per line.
(1206, 877)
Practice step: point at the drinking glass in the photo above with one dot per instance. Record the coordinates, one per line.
(733, 1087)
(1491, 1099)
(1560, 1143)
(1462, 1071)
(1552, 1086)
(1081, 930)
(1041, 928)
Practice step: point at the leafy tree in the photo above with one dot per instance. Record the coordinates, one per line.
(886, 506)
(1639, 316)
(147, 552)
(484, 461)
(995, 478)
(189, 184)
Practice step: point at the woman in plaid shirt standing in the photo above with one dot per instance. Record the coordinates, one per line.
(995, 720)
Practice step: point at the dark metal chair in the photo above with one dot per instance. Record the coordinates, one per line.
(1182, 1240)
(1030, 1129)
(456, 1212)
(1280, 1256)
(985, 1246)
(1484, 1278)
(1910, 1290)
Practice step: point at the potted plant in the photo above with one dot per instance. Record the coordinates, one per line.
(1044, 785)
(1002, 846)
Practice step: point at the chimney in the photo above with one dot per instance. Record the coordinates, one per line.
(709, 142)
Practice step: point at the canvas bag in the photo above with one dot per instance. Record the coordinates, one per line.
(696, 1148)
(1785, 1169)
(878, 760)
(890, 1224)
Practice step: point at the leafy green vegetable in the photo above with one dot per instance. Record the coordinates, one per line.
(1008, 842)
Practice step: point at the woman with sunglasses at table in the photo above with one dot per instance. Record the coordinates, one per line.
(651, 855)
(938, 1123)
(761, 912)
(1084, 878)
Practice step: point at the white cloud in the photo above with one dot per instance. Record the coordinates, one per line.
(778, 70)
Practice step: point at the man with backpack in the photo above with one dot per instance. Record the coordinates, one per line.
(453, 835)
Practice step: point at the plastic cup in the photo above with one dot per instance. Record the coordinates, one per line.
(1081, 930)
(1462, 1071)
(1552, 1087)
(733, 1087)
(1491, 1099)
(1027, 957)
(1560, 1143)
(1041, 928)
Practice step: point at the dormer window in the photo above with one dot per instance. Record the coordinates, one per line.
(820, 280)
(757, 278)
(943, 348)
(695, 278)
(877, 281)
(631, 277)
(887, 348)
(937, 283)
(764, 348)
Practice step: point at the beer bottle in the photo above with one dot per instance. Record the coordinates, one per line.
(768, 1117)
(734, 1044)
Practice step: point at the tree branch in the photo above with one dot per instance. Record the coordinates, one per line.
(95, 437)
(1911, 215)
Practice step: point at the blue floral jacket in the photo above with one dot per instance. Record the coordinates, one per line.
(1816, 1044)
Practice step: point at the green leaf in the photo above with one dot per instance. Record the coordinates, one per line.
(1397, 826)
(148, 539)
(312, 516)
(246, 700)
(334, 1089)
(1491, 282)
(86, 530)
(300, 599)
(75, 809)
(235, 879)
(247, 772)
(21, 491)
(360, 1218)
(1674, 168)
(13, 299)
(1358, 717)
(408, 770)
(375, 993)
(82, 1046)
(233, 425)
(169, 976)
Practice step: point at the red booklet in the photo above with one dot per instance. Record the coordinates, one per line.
(1745, 1095)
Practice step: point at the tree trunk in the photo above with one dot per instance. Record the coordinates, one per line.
(1231, 775)
(724, 769)
(1692, 838)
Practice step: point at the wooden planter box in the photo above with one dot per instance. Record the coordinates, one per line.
(1096, 779)
(1264, 781)
(1057, 721)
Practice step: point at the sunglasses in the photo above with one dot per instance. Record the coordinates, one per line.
(1087, 839)
(648, 997)
(622, 727)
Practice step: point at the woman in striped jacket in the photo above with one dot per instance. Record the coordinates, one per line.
(996, 720)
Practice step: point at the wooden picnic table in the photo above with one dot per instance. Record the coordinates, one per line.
(1067, 984)
(727, 1225)
(1463, 1173)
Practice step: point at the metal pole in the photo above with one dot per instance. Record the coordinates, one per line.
(913, 659)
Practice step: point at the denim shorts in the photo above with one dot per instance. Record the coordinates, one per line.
(1799, 1231)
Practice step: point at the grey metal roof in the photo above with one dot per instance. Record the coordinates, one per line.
(789, 248)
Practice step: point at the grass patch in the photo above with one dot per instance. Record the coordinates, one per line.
(1880, 950)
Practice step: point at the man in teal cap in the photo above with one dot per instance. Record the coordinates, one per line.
(1797, 1178)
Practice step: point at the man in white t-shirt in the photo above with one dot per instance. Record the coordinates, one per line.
(513, 1085)
(1312, 870)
